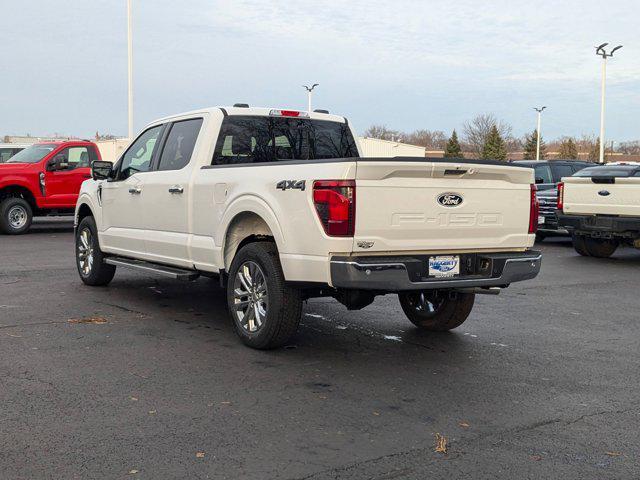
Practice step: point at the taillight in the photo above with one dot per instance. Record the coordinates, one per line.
(561, 196)
(534, 210)
(335, 202)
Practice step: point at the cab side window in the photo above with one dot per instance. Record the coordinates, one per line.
(543, 172)
(138, 156)
(180, 143)
(560, 171)
(78, 157)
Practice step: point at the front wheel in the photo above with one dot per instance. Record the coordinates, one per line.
(15, 216)
(264, 309)
(89, 258)
(437, 310)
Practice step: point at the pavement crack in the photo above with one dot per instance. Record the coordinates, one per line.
(18, 325)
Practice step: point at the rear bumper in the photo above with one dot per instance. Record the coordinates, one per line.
(405, 273)
(601, 225)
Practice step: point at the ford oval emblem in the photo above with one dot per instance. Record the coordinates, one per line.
(450, 199)
(604, 193)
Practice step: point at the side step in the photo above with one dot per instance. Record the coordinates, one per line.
(171, 272)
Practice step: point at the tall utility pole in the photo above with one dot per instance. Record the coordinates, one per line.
(539, 110)
(309, 90)
(130, 66)
(603, 53)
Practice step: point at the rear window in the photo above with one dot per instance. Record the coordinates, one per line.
(251, 139)
(612, 171)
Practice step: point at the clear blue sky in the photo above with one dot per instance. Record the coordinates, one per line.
(406, 64)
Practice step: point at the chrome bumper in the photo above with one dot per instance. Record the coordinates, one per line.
(397, 274)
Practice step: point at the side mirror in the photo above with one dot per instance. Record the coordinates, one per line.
(539, 180)
(59, 162)
(101, 170)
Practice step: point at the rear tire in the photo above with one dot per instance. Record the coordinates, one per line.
(436, 310)
(89, 258)
(579, 245)
(16, 216)
(600, 247)
(265, 311)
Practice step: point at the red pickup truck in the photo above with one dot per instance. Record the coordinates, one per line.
(43, 179)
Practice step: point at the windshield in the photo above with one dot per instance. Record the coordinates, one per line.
(612, 171)
(257, 139)
(33, 154)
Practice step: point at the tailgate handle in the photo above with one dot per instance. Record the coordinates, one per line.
(455, 172)
(603, 179)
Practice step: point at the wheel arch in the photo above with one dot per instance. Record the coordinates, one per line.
(245, 227)
(16, 190)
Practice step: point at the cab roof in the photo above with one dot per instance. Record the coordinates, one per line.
(253, 111)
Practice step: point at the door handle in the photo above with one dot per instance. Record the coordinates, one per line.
(176, 189)
(135, 191)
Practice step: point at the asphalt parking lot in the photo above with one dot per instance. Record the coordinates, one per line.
(145, 379)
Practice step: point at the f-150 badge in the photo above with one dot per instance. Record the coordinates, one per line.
(450, 199)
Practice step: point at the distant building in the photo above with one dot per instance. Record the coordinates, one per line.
(374, 147)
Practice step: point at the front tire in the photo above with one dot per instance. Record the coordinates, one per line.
(265, 311)
(16, 216)
(89, 258)
(436, 310)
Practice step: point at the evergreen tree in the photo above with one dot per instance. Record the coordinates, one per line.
(494, 147)
(531, 146)
(568, 149)
(453, 149)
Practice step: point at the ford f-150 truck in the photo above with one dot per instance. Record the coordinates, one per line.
(600, 207)
(43, 179)
(281, 207)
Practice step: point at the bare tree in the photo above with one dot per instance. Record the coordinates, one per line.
(430, 139)
(478, 129)
(630, 148)
(381, 132)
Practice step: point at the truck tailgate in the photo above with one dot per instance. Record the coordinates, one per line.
(405, 205)
(583, 196)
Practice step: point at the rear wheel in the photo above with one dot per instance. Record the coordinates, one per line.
(15, 216)
(600, 247)
(436, 310)
(579, 245)
(265, 311)
(89, 258)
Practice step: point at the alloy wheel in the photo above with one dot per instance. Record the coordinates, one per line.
(250, 297)
(85, 251)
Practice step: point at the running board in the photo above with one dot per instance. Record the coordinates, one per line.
(149, 267)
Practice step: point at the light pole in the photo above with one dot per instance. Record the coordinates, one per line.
(130, 67)
(539, 110)
(603, 53)
(309, 90)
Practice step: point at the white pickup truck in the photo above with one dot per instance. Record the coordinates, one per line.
(281, 207)
(600, 207)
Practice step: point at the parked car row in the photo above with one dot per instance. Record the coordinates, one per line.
(280, 206)
(548, 174)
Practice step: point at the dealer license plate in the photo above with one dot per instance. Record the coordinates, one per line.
(444, 266)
